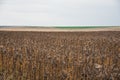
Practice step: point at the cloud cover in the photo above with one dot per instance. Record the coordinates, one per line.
(60, 12)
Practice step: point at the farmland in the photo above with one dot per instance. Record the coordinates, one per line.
(26, 55)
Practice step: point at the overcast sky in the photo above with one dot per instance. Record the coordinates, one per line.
(60, 12)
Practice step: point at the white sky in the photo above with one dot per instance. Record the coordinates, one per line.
(60, 12)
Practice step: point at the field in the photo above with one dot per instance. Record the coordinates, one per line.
(61, 29)
(29, 55)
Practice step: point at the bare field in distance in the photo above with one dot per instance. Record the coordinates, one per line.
(53, 29)
(60, 55)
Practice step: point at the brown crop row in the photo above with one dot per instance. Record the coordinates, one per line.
(60, 55)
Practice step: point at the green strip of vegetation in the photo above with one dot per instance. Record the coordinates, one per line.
(80, 27)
